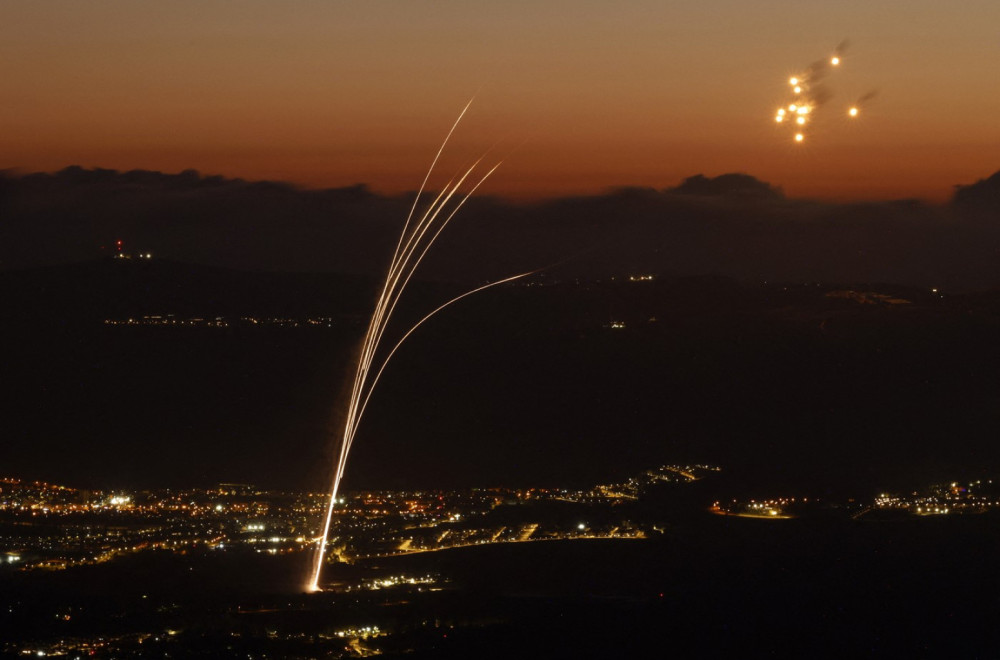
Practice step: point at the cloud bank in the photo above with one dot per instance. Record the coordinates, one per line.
(733, 225)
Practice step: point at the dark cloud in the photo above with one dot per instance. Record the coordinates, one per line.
(76, 214)
(981, 197)
(732, 185)
(733, 224)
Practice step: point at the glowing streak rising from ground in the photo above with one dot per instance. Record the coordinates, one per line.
(413, 244)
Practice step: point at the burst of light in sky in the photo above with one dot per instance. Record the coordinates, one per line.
(817, 90)
(602, 94)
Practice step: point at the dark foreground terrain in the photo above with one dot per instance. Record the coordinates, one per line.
(711, 586)
(831, 390)
(835, 389)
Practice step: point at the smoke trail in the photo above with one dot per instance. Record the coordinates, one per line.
(819, 96)
(867, 97)
(815, 72)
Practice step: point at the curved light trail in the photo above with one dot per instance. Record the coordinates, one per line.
(415, 239)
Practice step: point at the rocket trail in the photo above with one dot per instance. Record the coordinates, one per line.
(378, 315)
(427, 176)
(415, 240)
(419, 323)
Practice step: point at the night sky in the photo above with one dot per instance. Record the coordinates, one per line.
(580, 96)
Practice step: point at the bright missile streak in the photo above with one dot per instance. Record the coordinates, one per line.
(349, 435)
(396, 288)
(427, 176)
(377, 326)
(377, 316)
(426, 318)
(356, 413)
(415, 240)
(421, 258)
(380, 318)
(397, 263)
(392, 290)
(388, 304)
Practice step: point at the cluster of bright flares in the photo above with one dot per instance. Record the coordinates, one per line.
(808, 95)
(416, 238)
(797, 112)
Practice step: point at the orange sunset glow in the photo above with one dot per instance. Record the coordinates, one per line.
(575, 97)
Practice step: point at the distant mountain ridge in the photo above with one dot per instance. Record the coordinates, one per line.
(733, 225)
